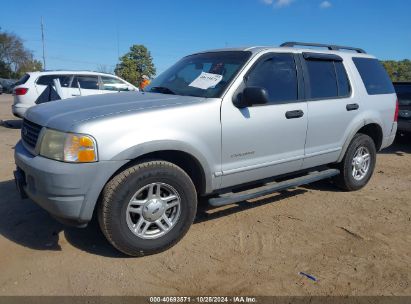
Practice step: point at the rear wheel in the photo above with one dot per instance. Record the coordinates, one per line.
(358, 163)
(147, 208)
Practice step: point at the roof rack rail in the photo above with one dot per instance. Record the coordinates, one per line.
(328, 46)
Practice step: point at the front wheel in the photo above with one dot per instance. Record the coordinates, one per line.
(147, 208)
(358, 163)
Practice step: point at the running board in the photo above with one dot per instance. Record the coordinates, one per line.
(231, 198)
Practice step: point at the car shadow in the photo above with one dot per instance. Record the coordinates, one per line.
(26, 224)
(400, 147)
(11, 124)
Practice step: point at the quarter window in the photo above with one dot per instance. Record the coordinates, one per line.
(278, 75)
(374, 76)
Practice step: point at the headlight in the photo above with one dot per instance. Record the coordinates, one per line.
(68, 147)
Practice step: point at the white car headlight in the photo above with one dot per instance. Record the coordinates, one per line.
(68, 147)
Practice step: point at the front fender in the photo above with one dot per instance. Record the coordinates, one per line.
(174, 145)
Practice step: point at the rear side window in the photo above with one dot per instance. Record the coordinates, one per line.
(278, 75)
(22, 80)
(374, 76)
(49, 80)
(327, 79)
(322, 79)
(85, 82)
(344, 88)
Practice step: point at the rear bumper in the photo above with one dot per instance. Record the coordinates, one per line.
(19, 110)
(404, 125)
(67, 191)
(387, 141)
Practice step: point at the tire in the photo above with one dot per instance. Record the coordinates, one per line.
(347, 179)
(137, 189)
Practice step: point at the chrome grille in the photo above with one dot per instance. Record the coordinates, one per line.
(30, 133)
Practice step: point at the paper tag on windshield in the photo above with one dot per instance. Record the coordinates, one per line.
(206, 80)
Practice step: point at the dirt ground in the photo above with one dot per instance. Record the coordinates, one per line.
(356, 243)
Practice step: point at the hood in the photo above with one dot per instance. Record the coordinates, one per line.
(64, 114)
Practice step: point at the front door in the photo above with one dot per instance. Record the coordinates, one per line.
(265, 140)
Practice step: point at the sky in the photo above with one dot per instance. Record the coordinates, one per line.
(90, 35)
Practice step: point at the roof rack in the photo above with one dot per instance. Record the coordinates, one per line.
(328, 46)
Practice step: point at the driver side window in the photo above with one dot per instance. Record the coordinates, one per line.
(277, 74)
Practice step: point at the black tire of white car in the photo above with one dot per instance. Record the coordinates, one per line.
(346, 180)
(117, 221)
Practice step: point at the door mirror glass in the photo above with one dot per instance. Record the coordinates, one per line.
(251, 96)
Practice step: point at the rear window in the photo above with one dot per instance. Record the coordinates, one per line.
(403, 93)
(22, 80)
(374, 76)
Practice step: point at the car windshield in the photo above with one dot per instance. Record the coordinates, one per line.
(200, 75)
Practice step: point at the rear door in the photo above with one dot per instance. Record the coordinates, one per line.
(45, 80)
(84, 85)
(331, 107)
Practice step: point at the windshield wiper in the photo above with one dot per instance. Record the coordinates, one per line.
(163, 90)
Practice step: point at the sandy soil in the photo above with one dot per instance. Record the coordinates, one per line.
(355, 243)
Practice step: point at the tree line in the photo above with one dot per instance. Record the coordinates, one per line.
(398, 70)
(15, 58)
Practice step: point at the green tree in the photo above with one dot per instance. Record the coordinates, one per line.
(134, 64)
(398, 70)
(15, 59)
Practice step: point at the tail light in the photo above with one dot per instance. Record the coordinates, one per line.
(396, 111)
(20, 91)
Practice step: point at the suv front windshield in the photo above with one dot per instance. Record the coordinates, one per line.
(200, 75)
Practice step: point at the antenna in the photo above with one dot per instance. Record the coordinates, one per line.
(42, 39)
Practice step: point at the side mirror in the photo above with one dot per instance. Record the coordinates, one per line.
(251, 96)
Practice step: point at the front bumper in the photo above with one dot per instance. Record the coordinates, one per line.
(67, 191)
(404, 125)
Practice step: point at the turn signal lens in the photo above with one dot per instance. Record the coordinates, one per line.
(79, 148)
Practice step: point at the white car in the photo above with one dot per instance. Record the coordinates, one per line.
(73, 84)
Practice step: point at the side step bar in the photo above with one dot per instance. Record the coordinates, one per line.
(231, 198)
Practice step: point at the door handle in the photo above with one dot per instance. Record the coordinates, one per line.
(352, 107)
(75, 94)
(294, 114)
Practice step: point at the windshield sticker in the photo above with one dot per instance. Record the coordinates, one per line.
(206, 80)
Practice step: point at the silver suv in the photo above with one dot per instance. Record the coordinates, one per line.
(223, 125)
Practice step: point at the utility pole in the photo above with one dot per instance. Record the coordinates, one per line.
(42, 39)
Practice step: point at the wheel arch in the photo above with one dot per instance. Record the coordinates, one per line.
(372, 129)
